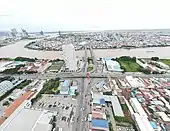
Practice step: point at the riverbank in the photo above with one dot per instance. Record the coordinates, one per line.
(31, 46)
(17, 49)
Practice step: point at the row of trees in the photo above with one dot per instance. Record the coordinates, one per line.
(16, 70)
(21, 85)
(25, 59)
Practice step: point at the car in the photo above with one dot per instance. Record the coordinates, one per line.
(54, 105)
(49, 106)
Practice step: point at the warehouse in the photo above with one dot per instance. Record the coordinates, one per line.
(28, 120)
(5, 86)
(116, 106)
(137, 107)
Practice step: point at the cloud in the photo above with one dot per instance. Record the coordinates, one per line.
(85, 14)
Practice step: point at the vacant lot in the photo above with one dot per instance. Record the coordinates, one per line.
(56, 65)
(128, 64)
(165, 61)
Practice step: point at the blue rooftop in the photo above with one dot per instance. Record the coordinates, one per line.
(102, 101)
(107, 59)
(66, 83)
(100, 123)
(154, 126)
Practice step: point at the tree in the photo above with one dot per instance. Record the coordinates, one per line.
(6, 103)
(155, 58)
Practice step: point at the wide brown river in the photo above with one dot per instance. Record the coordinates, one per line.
(18, 49)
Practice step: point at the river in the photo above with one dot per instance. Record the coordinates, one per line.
(18, 49)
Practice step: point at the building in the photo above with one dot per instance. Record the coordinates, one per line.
(142, 124)
(70, 57)
(138, 108)
(163, 116)
(5, 86)
(65, 87)
(98, 115)
(113, 65)
(116, 106)
(100, 125)
(134, 82)
(28, 120)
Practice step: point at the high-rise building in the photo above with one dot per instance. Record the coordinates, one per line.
(70, 57)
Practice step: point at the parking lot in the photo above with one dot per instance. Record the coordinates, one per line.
(63, 106)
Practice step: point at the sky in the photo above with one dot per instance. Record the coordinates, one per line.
(54, 15)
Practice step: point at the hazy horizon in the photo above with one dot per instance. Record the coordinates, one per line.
(80, 15)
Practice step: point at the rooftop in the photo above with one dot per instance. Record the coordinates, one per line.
(28, 120)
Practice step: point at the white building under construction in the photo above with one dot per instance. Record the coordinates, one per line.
(70, 57)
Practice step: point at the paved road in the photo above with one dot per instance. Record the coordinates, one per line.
(81, 111)
(81, 75)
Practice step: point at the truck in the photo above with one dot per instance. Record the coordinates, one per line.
(90, 117)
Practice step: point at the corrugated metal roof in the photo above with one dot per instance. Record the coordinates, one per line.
(116, 106)
(100, 123)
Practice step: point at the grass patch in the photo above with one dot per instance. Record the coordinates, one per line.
(165, 61)
(128, 64)
(56, 65)
(51, 86)
(89, 68)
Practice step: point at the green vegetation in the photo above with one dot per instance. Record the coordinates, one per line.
(8, 78)
(16, 70)
(6, 59)
(124, 107)
(165, 61)
(6, 103)
(25, 59)
(56, 60)
(20, 86)
(145, 71)
(50, 86)
(110, 126)
(13, 70)
(121, 119)
(89, 60)
(23, 84)
(128, 64)
(89, 68)
(76, 93)
(56, 65)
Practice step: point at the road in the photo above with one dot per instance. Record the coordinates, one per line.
(82, 106)
(82, 75)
